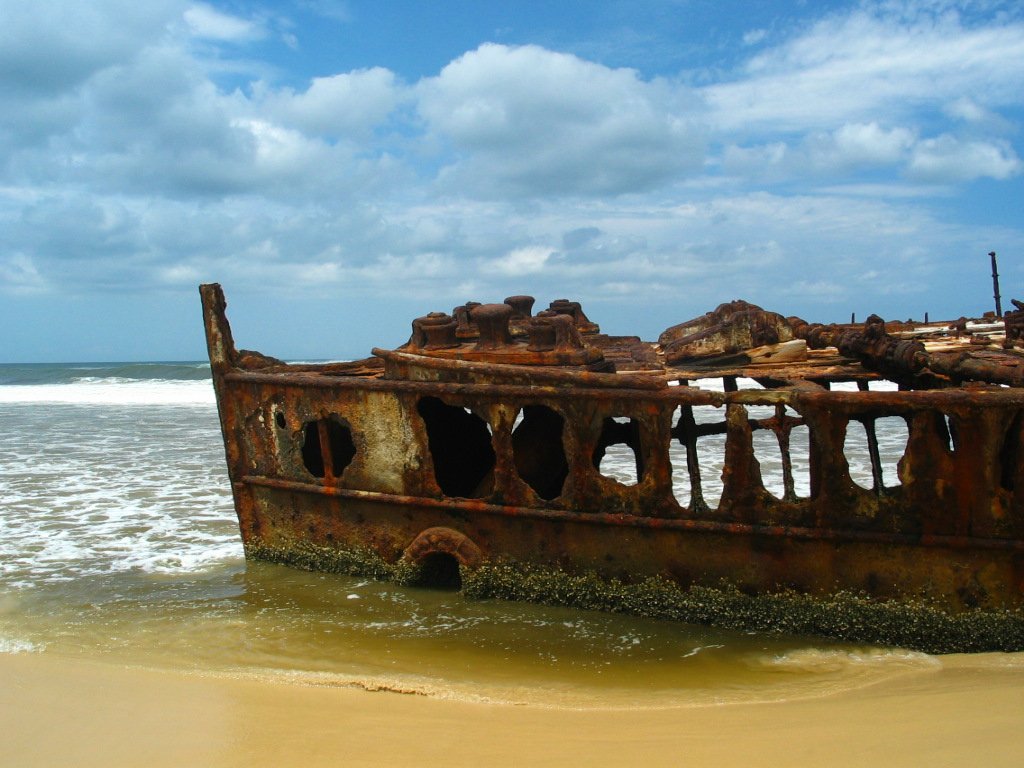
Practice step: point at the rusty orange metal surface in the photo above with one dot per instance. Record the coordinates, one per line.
(483, 438)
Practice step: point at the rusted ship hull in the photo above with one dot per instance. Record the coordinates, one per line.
(409, 462)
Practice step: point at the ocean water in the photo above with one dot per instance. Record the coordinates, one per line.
(119, 542)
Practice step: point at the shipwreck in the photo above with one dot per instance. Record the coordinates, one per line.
(475, 456)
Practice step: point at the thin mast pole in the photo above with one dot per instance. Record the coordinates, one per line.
(995, 284)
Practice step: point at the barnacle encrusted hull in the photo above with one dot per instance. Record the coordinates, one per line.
(482, 447)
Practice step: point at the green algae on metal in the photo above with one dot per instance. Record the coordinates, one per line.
(915, 624)
(350, 561)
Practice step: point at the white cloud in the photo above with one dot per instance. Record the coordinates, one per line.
(888, 190)
(322, 273)
(349, 104)
(948, 159)
(51, 46)
(179, 274)
(754, 36)
(765, 160)
(966, 108)
(157, 124)
(523, 261)
(280, 151)
(19, 276)
(979, 119)
(868, 144)
(207, 22)
(530, 121)
(853, 146)
(820, 288)
(860, 147)
(336, 10)
(870, 63)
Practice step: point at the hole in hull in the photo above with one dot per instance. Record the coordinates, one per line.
(538, 452)
(857, 457)
(876, 467)
(461, 449)
(680, 471)
(800, 455)
(439, 570)
(698, 455)
(782, 449)
(617, 453)
(327, 437)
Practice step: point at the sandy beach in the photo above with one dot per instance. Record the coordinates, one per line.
(60, 711)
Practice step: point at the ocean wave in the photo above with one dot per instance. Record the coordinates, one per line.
(97, 489)
(69, 373)
(819, 660)
(14, 645)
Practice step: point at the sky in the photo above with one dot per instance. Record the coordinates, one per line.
(342, 167)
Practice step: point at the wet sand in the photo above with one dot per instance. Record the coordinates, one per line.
(57, 711)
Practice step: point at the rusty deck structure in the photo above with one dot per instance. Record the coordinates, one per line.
(483, 443)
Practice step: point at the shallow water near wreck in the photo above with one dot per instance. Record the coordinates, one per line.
(119, 542)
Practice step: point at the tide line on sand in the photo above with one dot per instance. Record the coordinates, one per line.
(87, 713)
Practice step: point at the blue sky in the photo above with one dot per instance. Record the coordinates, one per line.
(344, 166)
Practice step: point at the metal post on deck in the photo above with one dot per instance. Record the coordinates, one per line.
(995, 284)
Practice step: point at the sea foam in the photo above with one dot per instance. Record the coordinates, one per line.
(112, 391)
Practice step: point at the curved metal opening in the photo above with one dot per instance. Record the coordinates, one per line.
(698, 455)
(767, 449)
(874, 446)
(538, 452)
(327, 445)
(781, 444)
(617, 453)
(461, 449)
(439, 570)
